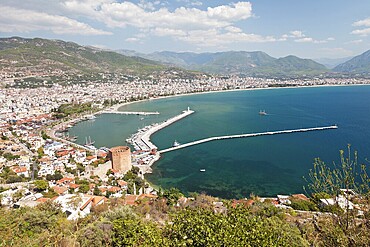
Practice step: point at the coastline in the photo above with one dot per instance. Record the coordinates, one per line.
(152, 162)
(117, 106)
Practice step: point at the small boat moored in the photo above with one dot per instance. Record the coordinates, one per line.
(202, 170)
(175, 144)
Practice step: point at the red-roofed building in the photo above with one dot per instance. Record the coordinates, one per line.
(300, 197)
(122, 184)
(147, 196)
(65, 181)
(131, 200)
(114, 189)
(74, 187)
(92, 186)
(42, 200)
(103, 190)
(20, 170)
(60, 190)
(91, 158)
(102, 154)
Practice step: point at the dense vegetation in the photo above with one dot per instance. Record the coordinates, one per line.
(194, 225)
(43, 54)
(66, 110)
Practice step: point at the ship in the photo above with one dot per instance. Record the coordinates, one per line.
(90, 117)
(202, 170)
(175, 144)
(262, 113)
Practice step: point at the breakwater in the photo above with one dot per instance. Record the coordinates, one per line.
(246, 135)
(131, 112)
(141, 140)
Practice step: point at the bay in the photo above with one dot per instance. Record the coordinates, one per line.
(236, 168)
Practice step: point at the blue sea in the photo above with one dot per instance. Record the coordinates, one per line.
(237, 168)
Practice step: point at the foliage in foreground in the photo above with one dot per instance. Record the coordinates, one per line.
(346, 182)
(46, 225)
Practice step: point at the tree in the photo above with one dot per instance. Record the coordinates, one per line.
(237, 227)
(41, 185)
(337, 182)
(136, 232)
(40, 152)
(44, 135)
(96, 191)
(84, 188)
(172, 195)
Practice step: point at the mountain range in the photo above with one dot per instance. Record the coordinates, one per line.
(255, 63)
(357, 65)
(43, 55)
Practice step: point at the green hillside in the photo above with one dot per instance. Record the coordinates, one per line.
(359, 64)
(53, 55)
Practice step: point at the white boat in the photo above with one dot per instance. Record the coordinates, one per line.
(88, 142)
(262, 113)
(202, 170)
(175, 144)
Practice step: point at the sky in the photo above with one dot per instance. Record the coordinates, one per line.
(305, 28)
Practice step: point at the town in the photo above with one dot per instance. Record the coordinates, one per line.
(36, 165)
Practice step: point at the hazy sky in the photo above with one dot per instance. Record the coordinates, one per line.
(306, 28)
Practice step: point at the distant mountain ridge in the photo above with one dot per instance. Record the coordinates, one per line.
(359, 64)
(56, 57)
(331, 63)
(236, 62)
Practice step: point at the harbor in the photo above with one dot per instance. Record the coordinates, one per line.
(146, 152)
(246, 161)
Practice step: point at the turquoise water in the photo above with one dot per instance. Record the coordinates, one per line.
(235, 168)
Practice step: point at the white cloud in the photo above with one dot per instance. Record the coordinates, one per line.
(296, 34)
(132, 40)
(357, 41)
(300, 37)
(147, 5)
(304, 40)
(361, 32)
(115, 14)
(21, 20)
(210, 27)
(362, 23)
(168, 32)
(191, 2)
(232, 29)
(196, 3)
(216, 38)
(365, 22)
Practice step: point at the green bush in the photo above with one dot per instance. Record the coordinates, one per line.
(303, 205)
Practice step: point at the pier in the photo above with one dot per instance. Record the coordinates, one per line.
(145, 138)
(131, 112)
(247, 135)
